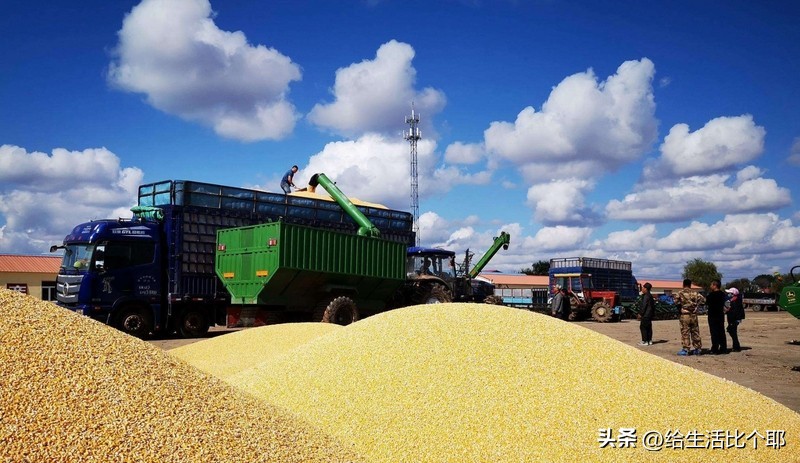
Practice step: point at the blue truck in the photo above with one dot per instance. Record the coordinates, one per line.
(155, 271)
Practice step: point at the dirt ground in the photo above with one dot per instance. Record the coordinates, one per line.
(764, 364)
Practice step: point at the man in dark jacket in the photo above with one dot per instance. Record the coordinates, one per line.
(715, 301)
(646, 314)
(735, 316)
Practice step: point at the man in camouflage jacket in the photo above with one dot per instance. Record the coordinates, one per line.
(689, 302)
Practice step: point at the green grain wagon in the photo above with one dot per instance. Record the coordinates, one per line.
(280, 271)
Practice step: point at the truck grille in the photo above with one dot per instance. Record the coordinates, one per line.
(67, 288)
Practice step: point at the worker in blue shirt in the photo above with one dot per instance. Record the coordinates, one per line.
(287, 181)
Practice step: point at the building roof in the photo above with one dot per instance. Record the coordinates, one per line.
(10, 263)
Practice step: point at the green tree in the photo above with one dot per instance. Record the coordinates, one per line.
(541, 267)
(701, 272)
(742, 284)
(764, 281)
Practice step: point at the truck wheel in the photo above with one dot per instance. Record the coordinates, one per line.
(601, 312)
(135, 321)
(437, 294)
(342, 311)
(193, 324)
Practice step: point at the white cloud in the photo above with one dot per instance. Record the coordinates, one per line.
(373, 95)
(373, 167)
(43, 196)
(720, 145)
(562, 202)
(175, 54)
(558, 239)
(794, 152)
(736, 234)
(642, 238)
(464, 153)
(585, 127)
(694, 196)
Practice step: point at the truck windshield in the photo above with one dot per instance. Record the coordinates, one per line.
(77, 256)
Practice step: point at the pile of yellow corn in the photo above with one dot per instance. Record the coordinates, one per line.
(72, 389)
(469, 383)
(224, 356)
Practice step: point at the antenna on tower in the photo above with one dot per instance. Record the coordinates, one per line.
(413, 135)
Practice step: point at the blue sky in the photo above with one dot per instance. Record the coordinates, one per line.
(655, 132)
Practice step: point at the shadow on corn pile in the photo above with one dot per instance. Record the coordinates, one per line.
(72, 389)
(471, 382)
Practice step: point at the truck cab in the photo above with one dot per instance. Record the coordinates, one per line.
(110, 271)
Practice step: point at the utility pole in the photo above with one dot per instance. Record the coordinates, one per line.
(413, 135)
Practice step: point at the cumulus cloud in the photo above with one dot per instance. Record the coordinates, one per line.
(794, 153)
(373, 166)
(43, 196)
(585, 127)
(464, 153)
(695, 196)
(562, 202)
(720, 145)
(175, 55)
(640, 239)
(372, 96)
(736, 234)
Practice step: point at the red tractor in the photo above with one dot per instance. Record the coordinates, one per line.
(602, 305)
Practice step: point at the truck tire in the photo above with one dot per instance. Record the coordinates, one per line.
(342, 311)
(135, 321)
(193, 323)
(602, 313)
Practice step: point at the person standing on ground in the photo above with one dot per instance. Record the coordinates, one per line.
(566, 307)
(716, 318)
(689, 301)
(735, 316)
(646, 313)
(555, 304)
(287, 181)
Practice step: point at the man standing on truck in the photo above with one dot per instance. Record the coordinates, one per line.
(689, 301)
(287, 182)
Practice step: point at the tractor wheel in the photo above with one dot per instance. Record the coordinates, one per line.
(494, 300)
(135, 321)
(341, 311)
(193, 323)
(601, 312)
(436, 294)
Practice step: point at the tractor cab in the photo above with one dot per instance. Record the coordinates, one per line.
(431, 262)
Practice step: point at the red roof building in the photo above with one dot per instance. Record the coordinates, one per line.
(33, 275)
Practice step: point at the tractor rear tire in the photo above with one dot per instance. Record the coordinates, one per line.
(494, 300)
(341, 311)
(436, 294)
(602, 313)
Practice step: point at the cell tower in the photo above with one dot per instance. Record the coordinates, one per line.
(413, 135)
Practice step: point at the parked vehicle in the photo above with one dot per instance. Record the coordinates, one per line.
(155, 272)
(790, 295)
(758, 301)
(599, 288)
